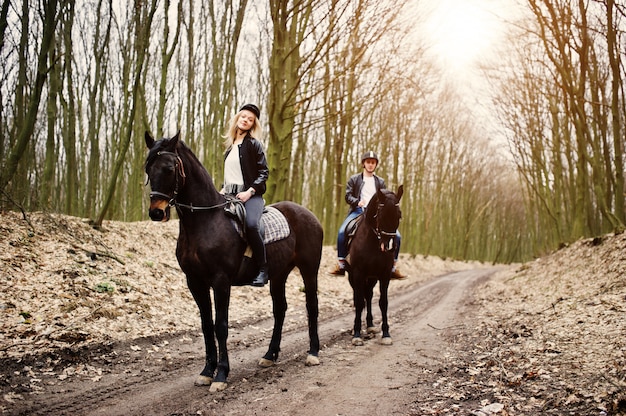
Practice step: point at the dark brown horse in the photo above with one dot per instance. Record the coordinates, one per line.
(210, 252)
(371, 259)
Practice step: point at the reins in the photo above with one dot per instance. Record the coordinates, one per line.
(172, 202)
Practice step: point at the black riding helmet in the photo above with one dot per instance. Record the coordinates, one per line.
(370, 155)
(253, 108)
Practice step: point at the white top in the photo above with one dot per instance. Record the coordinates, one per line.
(369, 189)
(232, 168)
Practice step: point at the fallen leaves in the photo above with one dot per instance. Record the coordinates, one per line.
(64, 285)
(547, 336)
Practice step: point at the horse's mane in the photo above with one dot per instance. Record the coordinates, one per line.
(371, 210)
(183, 151)
(181, 146)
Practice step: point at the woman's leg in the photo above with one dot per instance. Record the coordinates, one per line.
(254, 210)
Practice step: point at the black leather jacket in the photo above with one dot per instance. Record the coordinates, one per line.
(253, 164)
(354, 187)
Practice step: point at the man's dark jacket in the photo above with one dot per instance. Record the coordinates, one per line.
(354, 187)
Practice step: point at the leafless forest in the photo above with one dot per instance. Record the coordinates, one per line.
(81, 81)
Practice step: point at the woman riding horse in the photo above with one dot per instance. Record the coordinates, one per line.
(210, 252)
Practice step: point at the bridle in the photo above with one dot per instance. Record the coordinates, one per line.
(179, 171)
(380, 233)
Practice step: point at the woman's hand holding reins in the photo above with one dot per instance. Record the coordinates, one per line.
(245, 195)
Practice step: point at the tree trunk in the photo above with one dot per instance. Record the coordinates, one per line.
(25, 130)
(96, 106)
(166, 58)
(142, 36)
(69, 129)
(50, 158)
(617, 97)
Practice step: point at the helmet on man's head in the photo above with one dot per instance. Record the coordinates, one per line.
(253, 108)
(370, 155)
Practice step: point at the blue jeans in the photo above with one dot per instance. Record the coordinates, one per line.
(254, 210)
(342, 250)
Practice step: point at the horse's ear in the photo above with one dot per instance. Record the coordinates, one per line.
(149, 140)
(171, 143)
(400, 192)
(174, 141)
(380, 195)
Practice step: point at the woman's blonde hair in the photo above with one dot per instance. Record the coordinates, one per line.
(229, 137)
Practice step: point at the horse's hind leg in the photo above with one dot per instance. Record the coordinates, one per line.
(384, 303)
(312, 308)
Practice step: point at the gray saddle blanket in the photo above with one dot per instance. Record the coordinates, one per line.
(274, 225)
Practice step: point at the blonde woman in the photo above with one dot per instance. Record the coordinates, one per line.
(245, 177)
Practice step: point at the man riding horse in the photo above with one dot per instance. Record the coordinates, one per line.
(359, 190)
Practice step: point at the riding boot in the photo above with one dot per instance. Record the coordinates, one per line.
(258, 255)
(261, 279)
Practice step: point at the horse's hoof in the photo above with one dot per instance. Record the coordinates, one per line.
(218, 386)
(265, 363)
(203, 381)
(357, 341)
(312, 360)
(386, 341)
(373, 330)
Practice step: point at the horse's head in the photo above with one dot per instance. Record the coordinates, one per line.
(384, 211)
(165, 173)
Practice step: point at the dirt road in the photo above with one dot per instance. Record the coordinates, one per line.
(155, 376)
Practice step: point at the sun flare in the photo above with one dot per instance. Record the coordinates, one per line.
(461, 33)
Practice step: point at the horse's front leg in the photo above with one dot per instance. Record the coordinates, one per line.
(221, 293)
(202, 296)
(279, 308)
(383, 303)
(359, 304)
(369, 317)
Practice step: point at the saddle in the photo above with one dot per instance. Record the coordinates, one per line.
(351, 228)
(273, 224)
(235, 209)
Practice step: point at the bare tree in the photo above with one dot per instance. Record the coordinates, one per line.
(142, 20)
(95, 96)
(25, 130)
(166, 59)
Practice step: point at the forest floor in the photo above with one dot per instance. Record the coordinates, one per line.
(101, 322)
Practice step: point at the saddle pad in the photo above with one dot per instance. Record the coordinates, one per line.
(275, 225)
